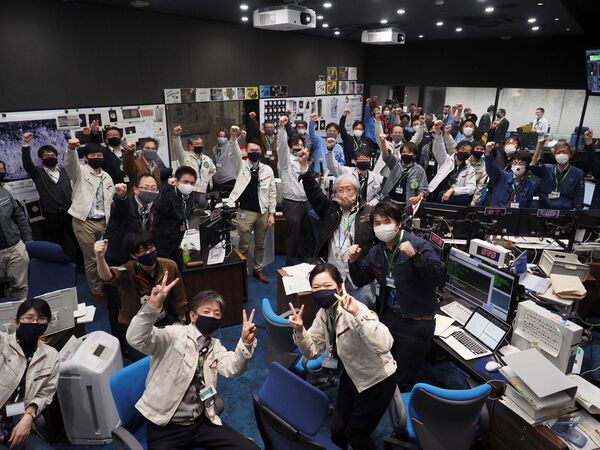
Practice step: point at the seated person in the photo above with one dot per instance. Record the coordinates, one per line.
(509, 189)
(22, 397)
(562, 185)
(179, 402)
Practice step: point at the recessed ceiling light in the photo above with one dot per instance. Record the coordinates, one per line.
(401, 11)
(319, 17)
(244, 19)
(383, 21)
(439, 23)
(244, 7)
(327, 5)
(489, 9)
(336, 32)
(140, 4)
(439, 2)
(536, 28)
(459, 29)
(325, 25)
(506, 38)
(421, 36)
(556, 19)
(540, 4)
(531, 20)
(568, 29)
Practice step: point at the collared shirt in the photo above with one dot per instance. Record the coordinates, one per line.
(53, 174)
(541, 125)
(340, 242)
(97, 211)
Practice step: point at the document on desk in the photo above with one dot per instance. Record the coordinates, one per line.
(568, 287)
(191, 238)
(441, 324)
(533, 283)
(578, 430)
(216, 255)
(299, 270)
(293, 285)
(587, 395)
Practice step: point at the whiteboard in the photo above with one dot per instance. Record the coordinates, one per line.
(328, 107)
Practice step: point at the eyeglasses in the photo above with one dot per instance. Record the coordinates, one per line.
(146, 149)
(146, 251)
(148, 189)
(348, 190)
(33, 319)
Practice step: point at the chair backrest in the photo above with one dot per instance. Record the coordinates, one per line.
(444, 418)
(127, 386)
(49, 268)
(294, 400)
(281, 342)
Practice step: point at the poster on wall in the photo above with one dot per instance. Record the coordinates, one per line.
(265, 91)
(202, 95)
(320, 87)
(352, 74)
(252, 93)
(343, 73)
(331, 87)
(359, 88)
(332, 74)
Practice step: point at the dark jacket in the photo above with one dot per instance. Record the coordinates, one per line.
(499, 133)
(571, 188)
(351, 144)
(485, 123)
(170, 214)
(330, 215)
(112, 164)
(415, 278)
(594, 166)
(13, 223)
(501, 186)
(124, 218)
(54, 197)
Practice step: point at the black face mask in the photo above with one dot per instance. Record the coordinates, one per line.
(2, 175)
(95, 163)
(462, 156)
(28, 334)
(477, 155)
(207, 325)
(407, 159)
(114, 141)
(50, 162)
(148, 259)
(363, 165)
(269, 132)
(198, 149)
(325, 298)
(254, 156)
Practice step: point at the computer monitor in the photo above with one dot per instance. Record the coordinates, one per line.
(486, 221)
(445, 220)
(544, 223)
(489, 330)
(593, 71)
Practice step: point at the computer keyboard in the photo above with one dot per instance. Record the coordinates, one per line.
(457, 311)
(469, 342)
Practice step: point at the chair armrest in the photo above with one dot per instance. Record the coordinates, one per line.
(124, 440)
(397, 412)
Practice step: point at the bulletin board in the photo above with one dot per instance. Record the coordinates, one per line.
(328, 107)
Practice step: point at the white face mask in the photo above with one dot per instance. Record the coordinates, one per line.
(386, 232)
(468, 131)
(301, 131)
(561, 158)
(358, 133)
(386, 113)
(185, 189)
(518, 170)
(222, 140)
(510, 149)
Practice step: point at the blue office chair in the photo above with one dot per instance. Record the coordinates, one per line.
(290, 412)
(432, 418)
(49, 268)
(281, 347)
(127, 386)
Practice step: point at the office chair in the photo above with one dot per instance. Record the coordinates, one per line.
(290, 412)
(433, 418)
(49, 268)
(127, 386)
(281, 347)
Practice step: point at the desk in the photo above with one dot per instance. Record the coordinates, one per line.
(229, 279)
(299, 299)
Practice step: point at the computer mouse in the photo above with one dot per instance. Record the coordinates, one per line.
(492, 366)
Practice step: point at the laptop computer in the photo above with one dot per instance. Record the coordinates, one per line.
(482, 335)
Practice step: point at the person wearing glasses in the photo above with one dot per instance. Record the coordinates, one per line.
(28, 377)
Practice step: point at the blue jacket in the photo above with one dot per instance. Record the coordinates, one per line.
(415, 278)
(319, 147)
(501, 183)
(370, 124)
(571, 188)
(594, 165)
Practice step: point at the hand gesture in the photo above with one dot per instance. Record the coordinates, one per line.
(121, 190)
(347, 302)
(100, 248)
(234, 131)
(353, 253)
(313, 117)
(161, 291)
(172, 181)
(252, 115)
(453, 108)
(303, 156)
(73, 144)
(295, 318)
(177, 130)
(447, 129)
(95, 127)
(131, 146)
(447, 195)
(346, 112)
(330, 143)
(422, 118)
(283, 121)
(589, 136)
(248, 327)
(437, 127)
(367, 101)
(21, 431)
(495, 123)
(489, 147)
(459, 107)
(415, 200)
(382, 137)
(407, 248)
(27, 137)
(270, 220)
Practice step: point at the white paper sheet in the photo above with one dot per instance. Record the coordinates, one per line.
(293, 285)
(441, 324)
(216, 255)
(299, 270)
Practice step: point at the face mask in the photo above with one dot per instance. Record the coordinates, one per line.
(510, 149)
(562, 158)
(363, 165)
(185, 189)
(150, 155)
(462, 156)
(325, 298)
(301, 131)
(147, 197)
(114, 141)
(386, 113)
(148, 259)
(407, 159)
(498, 116)
(386, 232)
(404, 123)
(477, 154)
(50, 162)
(207, 325)
(269, 132)
(468, 131)
(332, 135)
(254, 156)
(410, 129)
(397, 139)
(518, 170)
(198, 149)
(29, 333)
(222, 140)
(358, 133)
(95, 163)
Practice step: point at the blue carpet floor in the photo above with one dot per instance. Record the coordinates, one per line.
(237, 392)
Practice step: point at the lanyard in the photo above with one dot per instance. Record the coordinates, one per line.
(562, 177)
(390, 259)
(200, 168)
(201, 359)
(347, 232)
(144, 216)
(331, 329)
(363, 182)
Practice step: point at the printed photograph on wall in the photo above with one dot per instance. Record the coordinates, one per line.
(332, 74)
(320, 87)
(343, 73)
(251, 93)
(188, 95)
(265, 90)
(331, 87)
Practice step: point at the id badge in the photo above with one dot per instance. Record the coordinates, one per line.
(389, 282)
(554, 195)
(269, 153)
(330, 363)
(399, 190)
(218, 165)
(125, 179)
(15, 409)
(431, 163)
(207, 392)
(514, 205)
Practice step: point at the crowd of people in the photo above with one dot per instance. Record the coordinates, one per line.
(342, 196)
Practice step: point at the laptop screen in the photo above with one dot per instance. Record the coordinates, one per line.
(487, 328)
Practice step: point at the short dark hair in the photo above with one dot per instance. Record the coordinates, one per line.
(142, 141)
(113, 128)
(137, 180)
(502, 110)
(92, 147)
(410, 146)
(364, 150)
(134, 241)
(523, 155)
(405, 116)
(328, 268)
(207, 296)
(268, 121)
(387, 209)
(357, 123)
(462, 144)
(542, 110)
(334, 125)
(46, 148)
(514, 137)
(302, 122)
(478, 144)
(185, 170)
(296, 139)
(491, 108)
(221, 130)
(39, 305)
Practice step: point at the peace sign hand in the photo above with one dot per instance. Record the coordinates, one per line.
(347, 302)
(296, 318)
(161, 291)
(248, 327)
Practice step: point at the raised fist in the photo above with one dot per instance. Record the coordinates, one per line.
(177, 130)
(252, 115)
(313, 117)
(121, 190)
(283, 120)
(73, 144)
(27, 137)
(346, 112)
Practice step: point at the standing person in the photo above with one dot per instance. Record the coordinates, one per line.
(224, 177)
(171, 211)
(204, 166)
(497, 132)
(540, 125)
(146, 163)
(295, 204)
(54, 187)
(113, 151)
(321, 146)
(408, 271)
(485, 123)
(255, 190)
(356, 341)
(476, 161)
(93, 191)
(178, 404)
(594, 165)
(29, 375)
(270, 145)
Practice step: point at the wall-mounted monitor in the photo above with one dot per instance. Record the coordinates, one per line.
(593, 71)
